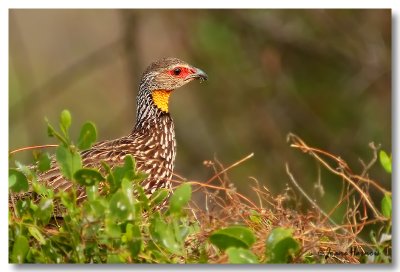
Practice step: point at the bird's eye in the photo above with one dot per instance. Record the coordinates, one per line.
(177, 71)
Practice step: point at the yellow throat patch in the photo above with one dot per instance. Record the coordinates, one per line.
(161, 99)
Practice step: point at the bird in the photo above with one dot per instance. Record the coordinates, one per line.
(151, 142)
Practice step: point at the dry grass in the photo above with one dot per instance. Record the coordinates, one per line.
(319, 235)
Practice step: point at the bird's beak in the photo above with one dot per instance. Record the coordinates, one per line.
(198, 74)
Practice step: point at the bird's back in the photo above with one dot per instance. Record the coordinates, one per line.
(152, 145)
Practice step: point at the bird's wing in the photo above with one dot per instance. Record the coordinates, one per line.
(111, 152)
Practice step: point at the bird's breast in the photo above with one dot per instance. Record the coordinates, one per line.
(157, 147)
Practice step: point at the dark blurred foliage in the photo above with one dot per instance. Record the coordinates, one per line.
(324, 75)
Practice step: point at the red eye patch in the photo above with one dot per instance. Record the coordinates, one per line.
(181, 72)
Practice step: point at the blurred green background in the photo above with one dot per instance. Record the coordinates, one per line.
(324, 75)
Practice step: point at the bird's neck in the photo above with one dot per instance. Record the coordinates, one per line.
(151, 107)
(161, 99)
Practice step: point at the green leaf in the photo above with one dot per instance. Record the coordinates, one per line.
(234, 236)
(87, 136)
(120, 206)
(127, 171)
(129, 164)
(386, 161)
(45, 210)
(182, 232)
(17, 181)
(133, 239)
(180, 198)
(280, 245)
(88, 177)
(20, 249)
(92, 192)
(140, 195)
(114, 258)
(50, 253)
(44, 162)
(139, 177)
(94, 209)
(39, 188)
(37, 235)
(158, 197)
(386, 206)
(255, 217)
(26, 170)
(127, 188)
(22, 207)
(128, 236)
(135, 247)
(12, 180)
(65, 122)
(51, 132)
(69, 161)
(112, 229)
(67, 200)
(241, 256)
(163, 234)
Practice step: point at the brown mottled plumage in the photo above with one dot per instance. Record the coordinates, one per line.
(152, 140)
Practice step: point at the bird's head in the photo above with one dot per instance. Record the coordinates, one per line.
(165, 75)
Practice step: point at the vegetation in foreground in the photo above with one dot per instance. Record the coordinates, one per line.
(114, 226)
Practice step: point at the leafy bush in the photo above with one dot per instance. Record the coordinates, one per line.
(118, 223)
(112, 225)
